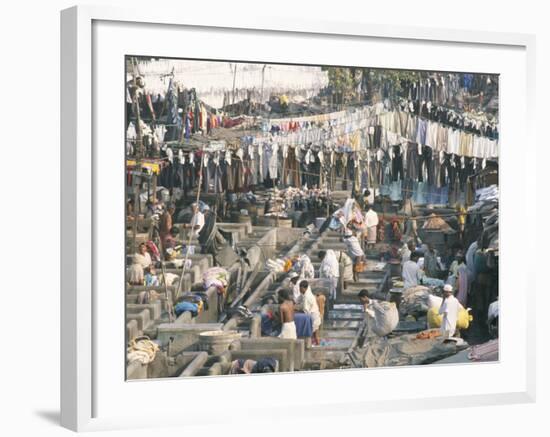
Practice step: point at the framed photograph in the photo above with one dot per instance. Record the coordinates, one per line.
(269, 208)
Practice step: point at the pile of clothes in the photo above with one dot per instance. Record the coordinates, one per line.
(419, 302)
(194, 303)
(279, 265)
(275, 205)
(303, 266)
(300, 264)
(415, 301)
(485, 209)
(216, 277)
(142, 350)
(382, 317)
(487, 194)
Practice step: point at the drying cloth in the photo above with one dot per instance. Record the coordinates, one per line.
(304, 325)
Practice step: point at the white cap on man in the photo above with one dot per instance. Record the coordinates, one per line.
(448, 288)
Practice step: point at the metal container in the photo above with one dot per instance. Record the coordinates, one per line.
(217, 342)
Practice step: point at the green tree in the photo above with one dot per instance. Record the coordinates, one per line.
(349, 84)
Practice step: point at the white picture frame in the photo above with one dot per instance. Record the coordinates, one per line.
(81, 377)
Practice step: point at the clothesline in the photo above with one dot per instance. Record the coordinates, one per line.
(323, 174)
(340, 125)
(451, 137)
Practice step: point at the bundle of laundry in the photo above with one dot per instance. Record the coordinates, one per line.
(489, 193)
(199, 298)
(171, 279)
(275, 205)
(142, 350)
(279, 265)
(185, 306)
(382, 317)
(178, 263)
(415, 301)
(216, 277)
(486, 200)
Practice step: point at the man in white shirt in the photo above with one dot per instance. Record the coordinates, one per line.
(411, 272)
(371, 223)
(449, 310)
(308, 304)
(354, 250)
(352, 245)
(406, 251)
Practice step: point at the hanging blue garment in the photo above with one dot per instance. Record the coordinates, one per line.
(172, 112)
(395, 191)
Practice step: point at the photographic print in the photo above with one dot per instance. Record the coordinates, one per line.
(294, 218)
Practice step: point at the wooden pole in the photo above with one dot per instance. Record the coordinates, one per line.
(234, 80)
(178, 291)
(263, 80)
(169, 302)
(136, 180)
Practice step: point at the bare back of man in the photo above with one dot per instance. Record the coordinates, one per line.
(287, 311)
